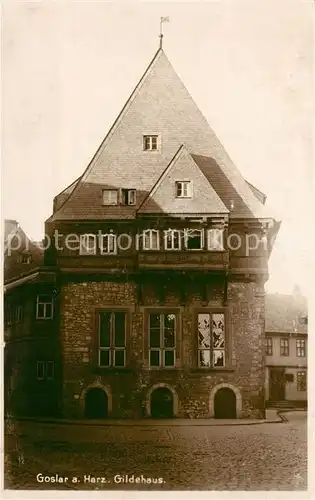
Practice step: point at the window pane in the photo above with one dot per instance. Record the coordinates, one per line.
(110, 197)
(154, 240)
(44, 298)
(155, 338)
(218, 358)
(105, 329)
(301, 381)
(168, 238)
(40, 369)
(193, 240)
(108, 243)
(48, 311)
(169, 330)
(218, 331)
(119, 358)
(176, 240)
(120, 329)
(169, 338)
(154, 142)
(87, 244)
(169, 358)
(155, 321)
(50, 369)
(204, 330)
(154, 358)
(104, 358)
(204, 358)
(215, 239)
(40, 310)
(169, 321)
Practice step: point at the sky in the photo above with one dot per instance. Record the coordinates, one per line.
(69, 67)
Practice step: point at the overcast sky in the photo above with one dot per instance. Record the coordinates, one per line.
(70, 66)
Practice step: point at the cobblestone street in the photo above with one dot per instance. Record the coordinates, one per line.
(248, 457)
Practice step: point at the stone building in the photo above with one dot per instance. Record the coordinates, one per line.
(286, 350)
(150, 300)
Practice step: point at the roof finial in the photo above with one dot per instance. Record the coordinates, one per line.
(162, 20)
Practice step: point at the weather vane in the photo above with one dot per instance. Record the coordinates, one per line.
(163, 20)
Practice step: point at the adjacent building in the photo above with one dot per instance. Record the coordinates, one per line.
(150, 300)
(286, 350)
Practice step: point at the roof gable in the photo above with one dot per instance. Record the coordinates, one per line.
(160, 104)
(162, 198)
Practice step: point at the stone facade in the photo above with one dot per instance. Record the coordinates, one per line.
(129, 388)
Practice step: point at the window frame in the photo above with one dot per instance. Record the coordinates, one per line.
(150, 232)
(209, 238)
(134, 192)
(301, 386)
(182, 184)
(173, 231)
(202, 240)
(300, 348)
(51, 303)
(87, 249)
(44, 364)
(110, 204)
(212, 367)
(162, 349)
(269, 346)
(22, 257)
(284, 347)
(108, 236)
(112, 349)
(150, 138)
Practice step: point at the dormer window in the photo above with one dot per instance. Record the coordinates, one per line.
(128, 196)
(24, 258)
(150, 142)
(110, 197)
(183, 189)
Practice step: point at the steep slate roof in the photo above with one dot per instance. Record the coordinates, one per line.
(205, 200)
(284, 313)
(160, 104)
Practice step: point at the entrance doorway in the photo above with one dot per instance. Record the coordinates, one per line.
(277, 384)
(225, 403)
(96, 403)
(162, 403)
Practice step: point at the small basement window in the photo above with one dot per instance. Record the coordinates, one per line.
(110, 196)
(183, 189)
(150, 142)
